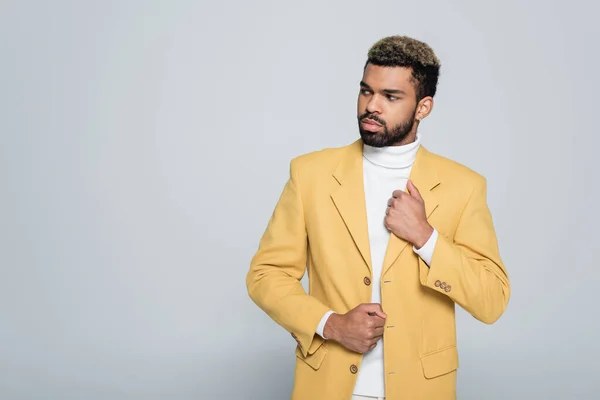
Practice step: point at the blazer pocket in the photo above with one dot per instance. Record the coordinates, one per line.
(315, 359)
(440, 362)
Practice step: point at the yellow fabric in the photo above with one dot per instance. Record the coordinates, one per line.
(319, 226)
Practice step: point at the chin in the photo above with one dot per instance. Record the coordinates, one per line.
(372, 139)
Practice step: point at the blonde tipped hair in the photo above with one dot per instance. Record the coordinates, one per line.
(404, 51)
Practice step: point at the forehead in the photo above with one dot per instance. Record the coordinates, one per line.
(380, 78)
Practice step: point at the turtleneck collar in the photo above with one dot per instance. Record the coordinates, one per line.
(393, 157)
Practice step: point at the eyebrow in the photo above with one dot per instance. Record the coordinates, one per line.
(389, 91)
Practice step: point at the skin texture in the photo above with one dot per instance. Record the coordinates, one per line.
(406, 218)
(388, 115)
(388, 97)
(359, 329)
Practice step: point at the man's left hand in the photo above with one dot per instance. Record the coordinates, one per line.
(406, 218)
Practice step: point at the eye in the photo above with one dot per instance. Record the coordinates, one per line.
(391, 98)
(364, 91)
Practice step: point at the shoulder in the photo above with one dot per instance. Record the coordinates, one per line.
(322, 161)
(452, 171)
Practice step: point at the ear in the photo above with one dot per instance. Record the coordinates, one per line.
(424, 108)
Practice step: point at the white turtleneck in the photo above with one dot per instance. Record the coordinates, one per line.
(385, 169)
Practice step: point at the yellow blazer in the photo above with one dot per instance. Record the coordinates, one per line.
(319, 225)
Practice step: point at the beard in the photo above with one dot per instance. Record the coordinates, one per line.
(388, 137)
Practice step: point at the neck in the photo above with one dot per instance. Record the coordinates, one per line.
(392, 157)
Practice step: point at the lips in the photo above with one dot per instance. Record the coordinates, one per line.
(370, 122)
(370, 125)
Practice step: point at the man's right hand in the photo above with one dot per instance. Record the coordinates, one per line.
(359, 329)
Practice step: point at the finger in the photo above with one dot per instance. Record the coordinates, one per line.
(398, 193)
(378, 332)
(385, 222)
(375, 309)
(375, 321)
(380, 312)
(412, 189)
(376, 339)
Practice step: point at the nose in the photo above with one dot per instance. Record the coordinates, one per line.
(373, 105)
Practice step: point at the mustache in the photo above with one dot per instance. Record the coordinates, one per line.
(372, 117)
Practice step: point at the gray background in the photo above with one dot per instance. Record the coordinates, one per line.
(144, 145)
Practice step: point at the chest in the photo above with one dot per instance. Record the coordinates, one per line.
(379, 185)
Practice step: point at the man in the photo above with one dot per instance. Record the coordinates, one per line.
(392, 236)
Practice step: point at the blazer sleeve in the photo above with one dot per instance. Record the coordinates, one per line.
(468, 267)
(273, 281)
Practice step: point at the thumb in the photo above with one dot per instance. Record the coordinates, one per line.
(375, 310)
(412, 189)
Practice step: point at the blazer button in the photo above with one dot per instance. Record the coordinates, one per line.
(353, 369)
(443, 285)
(367, 281)
(448, 288)
(438, 283)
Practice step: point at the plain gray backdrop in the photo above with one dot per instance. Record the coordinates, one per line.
(144, 145)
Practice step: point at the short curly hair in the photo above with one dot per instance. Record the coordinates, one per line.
(403, 51)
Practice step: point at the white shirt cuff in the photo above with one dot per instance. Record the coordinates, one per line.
(321, 326)
(426, 252)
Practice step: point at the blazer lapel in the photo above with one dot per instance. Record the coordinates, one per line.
(349, 198)
(424, 176)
